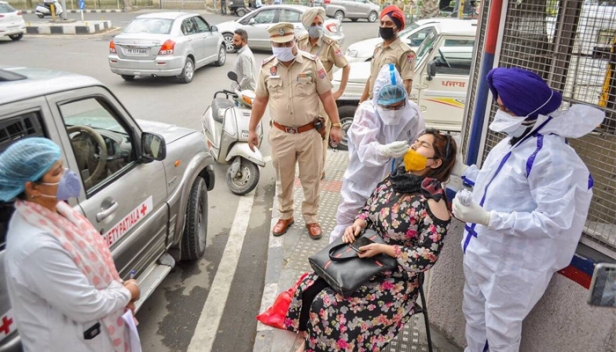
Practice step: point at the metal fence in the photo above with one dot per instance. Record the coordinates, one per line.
(569, 44)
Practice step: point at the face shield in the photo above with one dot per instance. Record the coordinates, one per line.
(391, 96)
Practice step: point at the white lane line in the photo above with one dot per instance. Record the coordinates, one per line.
(207, 326)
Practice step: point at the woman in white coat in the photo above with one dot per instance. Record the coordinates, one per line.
(65, 291)
(529, 205)
(383, 129)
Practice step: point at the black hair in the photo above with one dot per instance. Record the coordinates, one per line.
(242, 33)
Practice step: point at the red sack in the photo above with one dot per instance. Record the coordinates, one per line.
(275, 315)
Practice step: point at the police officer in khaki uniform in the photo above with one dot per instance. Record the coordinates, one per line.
(330, 54)
(294, 82)
(391, 51)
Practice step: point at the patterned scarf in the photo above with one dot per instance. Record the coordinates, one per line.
(88, 251)
(405, 182)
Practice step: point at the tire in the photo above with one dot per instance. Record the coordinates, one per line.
(372, 16)
(16, 37)
(195, 230)
(346, 113)
(247, 181)
(40, 15)
(339, 15)
(188, 72)
(354, 19)
(128, 78)
(240, 12)
(222, 56)
(228, 38)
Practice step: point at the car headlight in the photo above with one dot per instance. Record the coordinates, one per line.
(351, 53)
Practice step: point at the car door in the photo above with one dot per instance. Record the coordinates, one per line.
(257, 26)
(194, 40)
(210, 40)
(124, 197)
(363, 8)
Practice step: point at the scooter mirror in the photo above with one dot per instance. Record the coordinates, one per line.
(232, 76)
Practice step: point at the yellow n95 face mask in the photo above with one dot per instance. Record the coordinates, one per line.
(414, 161)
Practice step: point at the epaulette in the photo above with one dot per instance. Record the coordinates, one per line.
(267, 60)
(308, 55)
(302, 37)
(327, 40)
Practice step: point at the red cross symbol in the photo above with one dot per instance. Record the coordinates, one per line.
(144, 208)
(6, 325)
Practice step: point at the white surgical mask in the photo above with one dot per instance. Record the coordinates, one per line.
(389, 117)
(514, 126)
(284, 54)
(315, 31)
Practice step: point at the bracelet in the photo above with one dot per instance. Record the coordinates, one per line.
(337, 124)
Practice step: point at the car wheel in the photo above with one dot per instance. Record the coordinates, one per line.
(195, 231)
(188, 72)
(354, 19)
(222, 56)
(240, 12)
(128, 77)
(16, 37)
(339, 15)
(372, 17)
(245, 180)
(40, 15)
(346, 113)
(228, 37)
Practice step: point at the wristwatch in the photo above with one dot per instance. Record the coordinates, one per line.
(337, 124)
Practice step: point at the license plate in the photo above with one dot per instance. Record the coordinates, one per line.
(13, 27)
(245, 134)
(137, 51)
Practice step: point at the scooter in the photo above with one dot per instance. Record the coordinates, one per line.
(225, 125)
(44, 9)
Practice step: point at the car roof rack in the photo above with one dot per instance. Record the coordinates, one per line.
(8, 76)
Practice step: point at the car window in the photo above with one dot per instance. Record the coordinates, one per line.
(426, 47)
(454, 60)
(458, 42)
(6, 8)
(102, 146)
(150, 25)
(202, 25)
(291, 16)
(189, 27)
(418, 37)
(266, 16)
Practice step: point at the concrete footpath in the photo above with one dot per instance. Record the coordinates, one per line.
(288, 259)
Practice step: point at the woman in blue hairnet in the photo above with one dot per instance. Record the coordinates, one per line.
(382, 131)
(65, 291)
(529, 205)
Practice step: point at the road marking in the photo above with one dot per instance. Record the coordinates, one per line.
(207, 326)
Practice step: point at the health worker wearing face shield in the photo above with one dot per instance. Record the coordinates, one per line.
(65, 291)
(294, 84)
(529, 204)
(391, 51)
(382, 130)
(330, 54)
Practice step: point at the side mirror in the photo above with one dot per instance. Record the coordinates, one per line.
(431, 70)
(232, 76)
(153, 147)
(603, 286)
(214, 29)
(251, 21)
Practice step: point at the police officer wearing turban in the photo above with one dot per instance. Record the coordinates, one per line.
(330, 54)
(529, 205)
(391, 51)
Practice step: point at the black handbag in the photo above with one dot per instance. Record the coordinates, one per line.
(339, 265)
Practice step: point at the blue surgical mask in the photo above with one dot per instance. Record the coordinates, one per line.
(284, 54)
(315, 31)
(68, 187)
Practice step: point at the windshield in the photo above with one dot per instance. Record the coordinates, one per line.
(413, 26)
(6, 8)
(426, 47)
(150, 25)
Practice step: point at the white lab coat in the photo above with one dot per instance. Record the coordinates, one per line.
(538, 201)
(367, 165)
(53, 301)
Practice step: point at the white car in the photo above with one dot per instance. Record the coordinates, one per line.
(413, 35)
(257, 22)
(12, 24)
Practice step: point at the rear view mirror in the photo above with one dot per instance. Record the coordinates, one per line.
(214, 29)
(232, 76)
(603, 286)
(251, 21)
(431, 69)
(153, 147)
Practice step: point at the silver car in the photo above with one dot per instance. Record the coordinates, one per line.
(166, 44)
(145, 183)
(352, 9)
(257, 22)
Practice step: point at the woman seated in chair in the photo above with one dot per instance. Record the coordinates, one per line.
(409, 211)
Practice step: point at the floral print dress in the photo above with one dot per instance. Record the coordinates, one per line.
(374, 314)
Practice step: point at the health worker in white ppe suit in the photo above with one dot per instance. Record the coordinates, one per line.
(529, 203)
(382, 130)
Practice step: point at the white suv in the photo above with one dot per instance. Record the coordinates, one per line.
(11, 22)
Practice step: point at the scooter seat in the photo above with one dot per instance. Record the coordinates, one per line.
(220, 103)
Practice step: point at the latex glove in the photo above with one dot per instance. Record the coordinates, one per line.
(393, 150)
(472, 213)
(459, 167)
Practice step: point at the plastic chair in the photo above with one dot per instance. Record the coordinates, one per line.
(423, 309)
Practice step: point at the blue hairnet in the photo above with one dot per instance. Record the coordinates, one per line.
(392, 92)
(26, 160)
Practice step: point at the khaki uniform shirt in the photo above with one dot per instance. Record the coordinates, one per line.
(397, 53)
(327, 50)
(293, 91)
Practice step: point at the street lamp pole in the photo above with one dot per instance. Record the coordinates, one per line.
(63, 14)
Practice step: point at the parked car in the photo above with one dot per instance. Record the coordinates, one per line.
(353, 10)
(440, 83)
(166, 44)
(413, 35)
(145, 183)
(257, 22)
(12, 24)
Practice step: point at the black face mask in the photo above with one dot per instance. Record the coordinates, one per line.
(238, 47)
(387, 33)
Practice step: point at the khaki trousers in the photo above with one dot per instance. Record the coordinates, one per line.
(306, 150)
